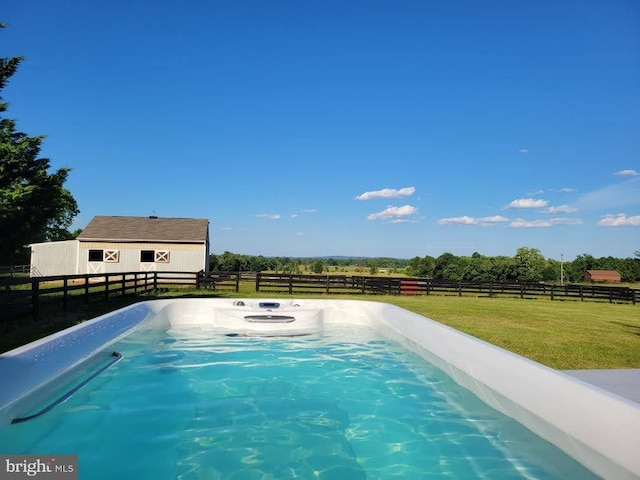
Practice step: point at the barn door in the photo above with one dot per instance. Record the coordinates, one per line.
(95, 267)
(147, 267)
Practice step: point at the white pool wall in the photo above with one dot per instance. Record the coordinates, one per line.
(597, 428)
(25, 370)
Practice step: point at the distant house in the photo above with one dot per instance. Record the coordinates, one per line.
(111, 244)
(610, 276)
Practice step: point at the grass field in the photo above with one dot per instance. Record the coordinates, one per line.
(562, 335)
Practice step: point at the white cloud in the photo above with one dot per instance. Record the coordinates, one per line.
(457, 220)
(226, 229)
(394, 213)
(566, 221)
(537, 192)
(561, 209)
(619, 220)
(520, 223)
(305, 211)
(387, 193)
(493, 219)
(567, 190)
(524, 150)
(269, 216)
(403, 220)
(626, 173)
(466, 220)
(528, 203)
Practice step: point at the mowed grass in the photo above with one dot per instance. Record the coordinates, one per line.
(559, 334)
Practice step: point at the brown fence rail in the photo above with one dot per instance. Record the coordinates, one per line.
(347, 284)
(21, 296)
(28, 296)
(13, 269)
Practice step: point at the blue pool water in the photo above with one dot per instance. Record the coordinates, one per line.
(347, 404)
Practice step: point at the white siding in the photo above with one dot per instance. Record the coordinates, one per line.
(182, 257)
(54, 258)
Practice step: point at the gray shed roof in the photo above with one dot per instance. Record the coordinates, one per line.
(146, 229)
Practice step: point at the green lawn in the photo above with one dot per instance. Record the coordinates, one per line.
(560, 334)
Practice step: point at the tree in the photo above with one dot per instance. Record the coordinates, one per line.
(420, 267)
(34, 205)
(317, 267)
(530, 264)
(373, 266)
(444, 265)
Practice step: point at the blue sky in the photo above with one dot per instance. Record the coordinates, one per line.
(374, 128)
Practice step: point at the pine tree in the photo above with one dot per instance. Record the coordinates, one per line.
(34, 205)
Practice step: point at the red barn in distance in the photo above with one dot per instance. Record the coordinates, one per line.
(608, 276)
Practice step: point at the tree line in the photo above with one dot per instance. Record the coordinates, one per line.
(233, 262)
(528, 264)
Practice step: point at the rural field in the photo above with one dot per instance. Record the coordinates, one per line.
(559, 334)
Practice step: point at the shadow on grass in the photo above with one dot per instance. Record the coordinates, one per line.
(24, 329)
(634, 329)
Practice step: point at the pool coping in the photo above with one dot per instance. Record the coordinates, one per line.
(624, 382)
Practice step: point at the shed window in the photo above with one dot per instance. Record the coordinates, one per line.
(147, 256)
(157, 256)
(96, 255)
(112, 256)
(162, 256)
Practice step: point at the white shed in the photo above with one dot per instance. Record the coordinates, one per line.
(111, 244)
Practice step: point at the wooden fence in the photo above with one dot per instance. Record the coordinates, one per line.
(347, 284)
(13, 269)
(21, 295)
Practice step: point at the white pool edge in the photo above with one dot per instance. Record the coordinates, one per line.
(599, 429)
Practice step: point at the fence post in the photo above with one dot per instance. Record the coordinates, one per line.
(106, 286)
(552, 291)
(86, 288)
(258, 275)
(198, 280)
(290, 284)
(459, 288)
(581, 295)
(237, 282)
(155, 281)
(521, 290)
(364, 280)
(491, 289)
(35, 298)
(124, 284)
(327, 281)
(64, 294)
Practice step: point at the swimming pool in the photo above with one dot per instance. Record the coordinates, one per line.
(344, 389)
